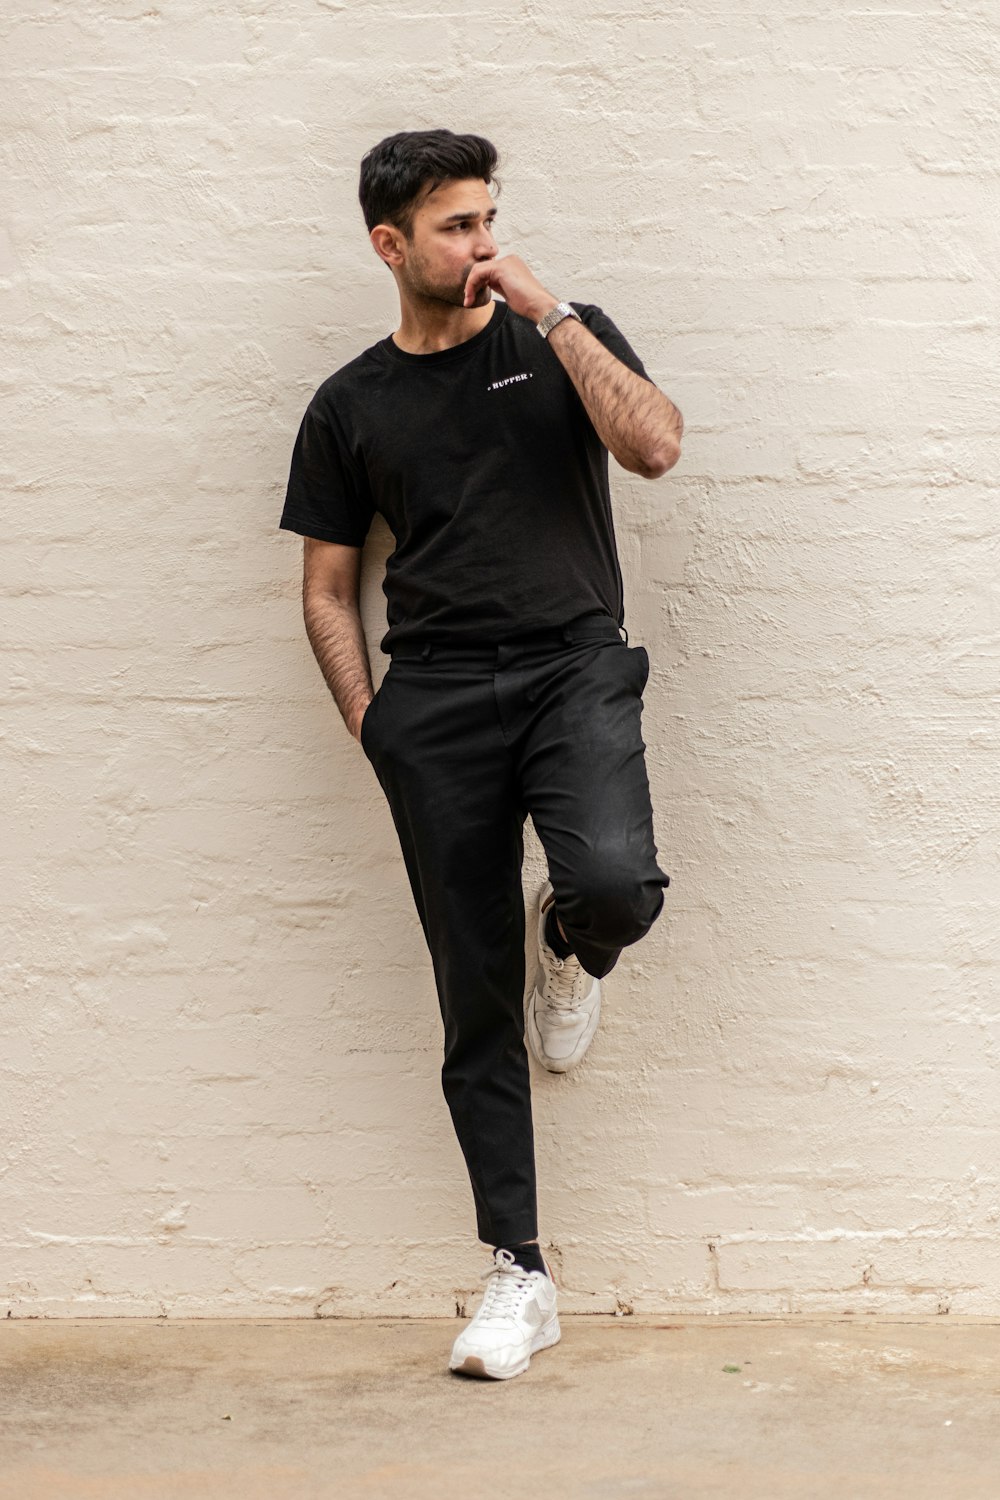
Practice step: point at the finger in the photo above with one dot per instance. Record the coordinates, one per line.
(476, 277)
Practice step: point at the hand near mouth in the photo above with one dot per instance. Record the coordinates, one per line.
(519, 286)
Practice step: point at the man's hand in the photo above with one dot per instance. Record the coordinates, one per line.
(519, 287)
(355, 725)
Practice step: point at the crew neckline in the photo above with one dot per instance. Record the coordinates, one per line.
(456, 351)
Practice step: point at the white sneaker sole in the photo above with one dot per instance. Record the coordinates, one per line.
(474, 1364)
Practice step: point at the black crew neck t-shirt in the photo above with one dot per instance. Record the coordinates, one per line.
(488, 470)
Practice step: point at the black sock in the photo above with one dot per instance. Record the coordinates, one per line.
(554, 937)
(528, 1257)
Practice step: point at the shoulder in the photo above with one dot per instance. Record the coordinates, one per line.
(595, 317)
(344, 384)
(610, 335)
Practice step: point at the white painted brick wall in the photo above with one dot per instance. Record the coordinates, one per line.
(220, 1079)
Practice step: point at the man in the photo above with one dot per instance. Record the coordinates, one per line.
(481, 429)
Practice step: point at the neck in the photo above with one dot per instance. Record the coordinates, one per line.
(427, 327)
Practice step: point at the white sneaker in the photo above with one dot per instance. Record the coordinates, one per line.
(517, 1318)
(562, 1011)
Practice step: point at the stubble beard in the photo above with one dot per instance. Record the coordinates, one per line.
(422, 287)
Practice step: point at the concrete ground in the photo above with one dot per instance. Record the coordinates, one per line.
(746, 1408)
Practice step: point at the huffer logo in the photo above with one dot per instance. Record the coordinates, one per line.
(509, 380)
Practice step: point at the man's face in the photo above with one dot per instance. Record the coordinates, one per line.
(452, 230)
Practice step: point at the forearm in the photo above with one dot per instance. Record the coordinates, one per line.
(633, 418)
(337, 637)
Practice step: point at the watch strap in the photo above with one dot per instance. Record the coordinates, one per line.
(560, 311)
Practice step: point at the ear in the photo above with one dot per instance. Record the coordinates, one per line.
(387, 243)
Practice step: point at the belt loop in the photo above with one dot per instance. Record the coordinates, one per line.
(567, 634)
(425, 650)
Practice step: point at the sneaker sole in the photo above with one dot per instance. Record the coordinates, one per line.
(472, 1364)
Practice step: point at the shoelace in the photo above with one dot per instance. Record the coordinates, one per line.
(507, 1284)
(564, 987)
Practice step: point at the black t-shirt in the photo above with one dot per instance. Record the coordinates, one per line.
(488, 470)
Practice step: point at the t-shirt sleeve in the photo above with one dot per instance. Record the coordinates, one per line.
(328, 495)
(601, 326)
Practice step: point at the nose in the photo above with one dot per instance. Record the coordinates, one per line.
(485, 245)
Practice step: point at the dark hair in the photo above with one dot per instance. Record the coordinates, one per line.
(396, 172)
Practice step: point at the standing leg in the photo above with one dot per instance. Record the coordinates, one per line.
(434, 741)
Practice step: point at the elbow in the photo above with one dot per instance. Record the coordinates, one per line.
(655, 464)
(321, 600)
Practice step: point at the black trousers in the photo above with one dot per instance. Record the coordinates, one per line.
(466, 741)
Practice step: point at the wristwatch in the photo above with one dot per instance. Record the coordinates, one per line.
(560, 311)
